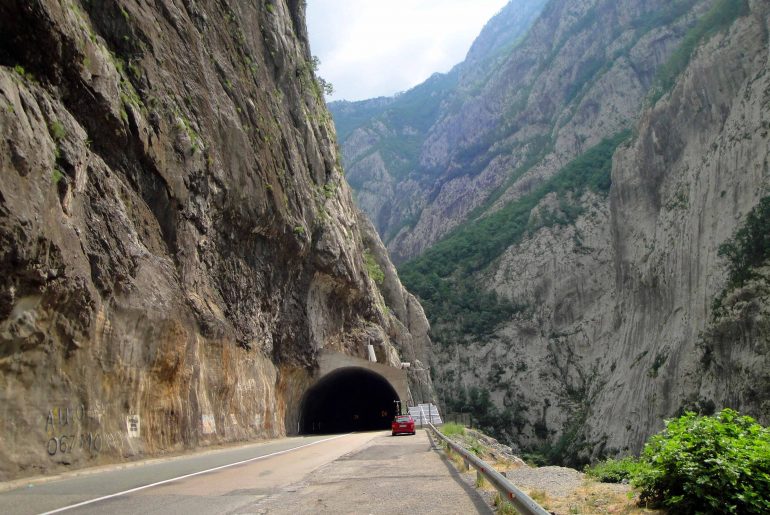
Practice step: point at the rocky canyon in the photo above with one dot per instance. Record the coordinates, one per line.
(575, 206)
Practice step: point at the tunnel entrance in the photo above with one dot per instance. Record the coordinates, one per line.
(348, 399)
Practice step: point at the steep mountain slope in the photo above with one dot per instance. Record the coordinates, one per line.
(178, 242)
(580, 75)
(590, 302)
(384, 139)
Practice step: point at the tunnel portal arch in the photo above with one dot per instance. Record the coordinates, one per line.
(348, 399)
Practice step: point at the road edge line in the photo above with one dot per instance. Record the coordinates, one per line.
(171, 480)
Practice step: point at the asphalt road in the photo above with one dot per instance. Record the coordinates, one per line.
(389, 475)
(354, 473)
(265, 460)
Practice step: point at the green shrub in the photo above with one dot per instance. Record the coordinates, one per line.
(19, 69)
(372, 268)
(503, 506)
(57, 130)
(616, 471)
(451, 429)
(718, 464)
(475, 447)
(57, 175)
(750, 247)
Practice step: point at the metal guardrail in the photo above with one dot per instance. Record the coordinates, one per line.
(521, 501)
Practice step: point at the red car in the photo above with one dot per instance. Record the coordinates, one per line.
(403, 424)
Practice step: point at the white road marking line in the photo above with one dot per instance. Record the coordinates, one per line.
(124, 492)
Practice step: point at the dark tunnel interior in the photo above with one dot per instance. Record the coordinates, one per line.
(348, 399)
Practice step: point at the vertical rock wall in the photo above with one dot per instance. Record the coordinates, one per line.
(178, 240)
(619, 333)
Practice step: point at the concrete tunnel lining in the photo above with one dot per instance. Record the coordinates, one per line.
(348, 399)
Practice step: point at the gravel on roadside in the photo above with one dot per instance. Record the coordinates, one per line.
(556, 481)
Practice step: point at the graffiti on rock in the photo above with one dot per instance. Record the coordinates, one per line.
(66, 434)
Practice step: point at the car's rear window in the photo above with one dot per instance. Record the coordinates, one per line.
(403, 419)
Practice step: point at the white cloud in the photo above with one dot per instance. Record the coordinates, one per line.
(370, 48)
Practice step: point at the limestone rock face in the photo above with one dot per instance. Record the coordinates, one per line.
(619, 332)
(178, 241)
(569, 75)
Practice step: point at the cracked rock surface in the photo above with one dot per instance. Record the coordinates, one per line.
(178, 240)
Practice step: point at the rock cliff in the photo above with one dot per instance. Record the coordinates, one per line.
(618, 329)
(570, 212)
(178, 239)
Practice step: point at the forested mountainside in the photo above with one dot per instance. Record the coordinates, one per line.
(178, 241)
(585, 224)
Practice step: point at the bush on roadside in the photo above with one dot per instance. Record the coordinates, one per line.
(718, 464)
(615, 471)
(697, 464)
(451, 428)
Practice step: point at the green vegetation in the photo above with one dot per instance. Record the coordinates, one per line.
(57, 130)
(589, 18)
(660, 359)
(698, 464)
(372, 268)
(128, 94)
(750, 247)
(503, 506)
(615, 471)
(349, 116)
(717, 464)
(320, 85)
(539, 496)
(594, 68)
(566, 450)
(476, 244)
(57, 175)
(587, 72)
(183, 124)
(721, 15)
(537, 148)
(21, 72)
(419, 107)
(452, 429)
(329, 190)
(486, 416)
(442, 276)
(475, 447)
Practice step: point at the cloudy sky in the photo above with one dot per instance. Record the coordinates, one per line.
(370, 48)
